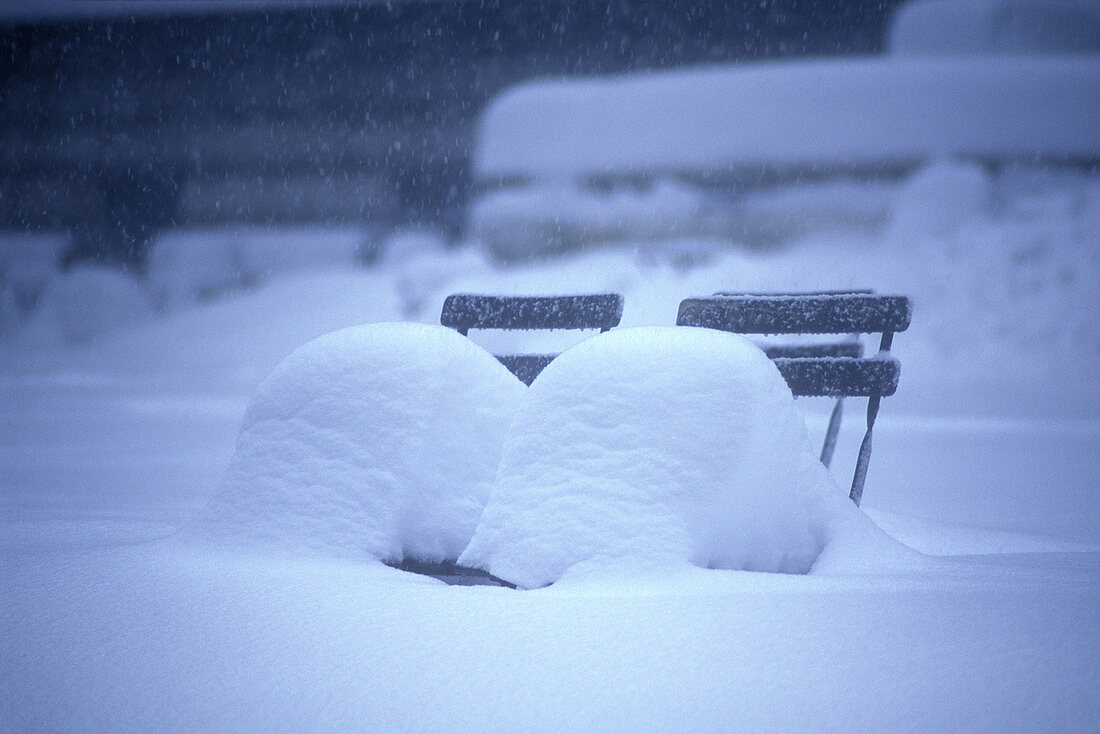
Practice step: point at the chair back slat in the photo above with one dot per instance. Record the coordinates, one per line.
(829, 313)
(840, 377)
(828, 370)
(838, 349)
(464, 311)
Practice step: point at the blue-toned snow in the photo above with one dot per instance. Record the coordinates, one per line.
(378, 441)
(986, 461)
(663, 445)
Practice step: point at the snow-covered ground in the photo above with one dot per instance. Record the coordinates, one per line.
(123, 609)
(200, 474)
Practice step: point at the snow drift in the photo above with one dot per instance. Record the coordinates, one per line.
(375, 441)
(658, 445)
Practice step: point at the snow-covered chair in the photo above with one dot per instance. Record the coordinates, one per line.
(379, 441)
(463, 312)
(835, 369)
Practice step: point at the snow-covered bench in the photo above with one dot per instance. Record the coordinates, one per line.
(828, 370)
(463, 312)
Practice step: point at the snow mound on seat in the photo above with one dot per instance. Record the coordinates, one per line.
(378, 440)
(656, 445)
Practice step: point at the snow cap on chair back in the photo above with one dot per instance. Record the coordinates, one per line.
(374, 441)
(656, 445)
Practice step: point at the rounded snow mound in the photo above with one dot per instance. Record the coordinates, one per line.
(655, 445)
(378, 440)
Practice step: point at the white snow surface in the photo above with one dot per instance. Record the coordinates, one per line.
(795, 114)
(377, 441)
(658, 445)
(988, 455)
(985, 461)
(952, 27)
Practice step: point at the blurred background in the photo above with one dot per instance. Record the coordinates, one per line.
(189, 191)
(121, 121)
(141, 117)
(155, 154)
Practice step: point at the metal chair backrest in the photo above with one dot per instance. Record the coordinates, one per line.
(834, 370)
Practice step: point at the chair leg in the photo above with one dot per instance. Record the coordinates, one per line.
(864, 452)
(829, 446)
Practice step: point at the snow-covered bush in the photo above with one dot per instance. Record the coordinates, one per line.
(555, 218)
(940, 198)
(28, 261)
(185, 266)
(377, 441)
(420, 262)
(86, 302)
(405, 245)
(784, 213)
(10, 313)
(656, 445)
